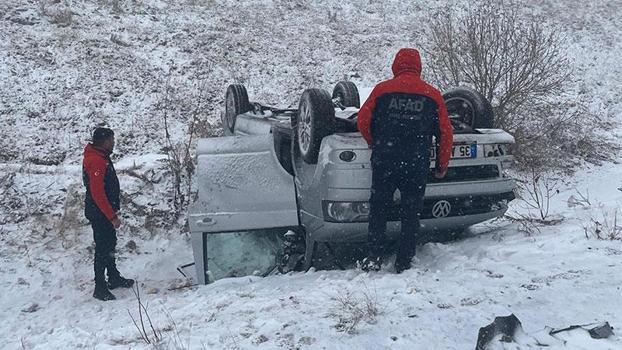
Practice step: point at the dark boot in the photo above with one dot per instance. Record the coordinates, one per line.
(101, 289)
(118, 281)
(402, 264)
(102, 293)
(405, 253)
(114, 276)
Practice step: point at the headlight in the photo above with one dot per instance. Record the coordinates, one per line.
(346, 211)
(497, 150)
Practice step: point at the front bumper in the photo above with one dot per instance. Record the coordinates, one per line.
(456, 206)
(466, 211)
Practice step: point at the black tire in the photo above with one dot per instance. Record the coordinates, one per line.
(282, 134)
(314, 121)
(347, 92)
(236, 102)
(469, 107)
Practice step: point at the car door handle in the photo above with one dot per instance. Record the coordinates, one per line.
(206, 222)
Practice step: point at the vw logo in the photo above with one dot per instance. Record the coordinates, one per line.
(441, 209)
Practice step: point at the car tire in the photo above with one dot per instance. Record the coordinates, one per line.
(348, 94)
(470, 107)
(314, 121)
(282, 134)
(236, 102)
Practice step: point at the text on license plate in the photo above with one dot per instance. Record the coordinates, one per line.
(459, 151)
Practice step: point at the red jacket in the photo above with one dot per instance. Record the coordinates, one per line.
(102, 185)
(407, 70)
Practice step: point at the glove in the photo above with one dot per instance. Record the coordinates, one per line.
(440, 173)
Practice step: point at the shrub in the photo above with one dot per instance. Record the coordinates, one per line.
(518, 62)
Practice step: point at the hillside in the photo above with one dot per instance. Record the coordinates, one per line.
(66, 68)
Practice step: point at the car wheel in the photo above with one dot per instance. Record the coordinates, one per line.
(236, 102)
(314, 121)
(469, 107)
(347, 93)
(282, 134)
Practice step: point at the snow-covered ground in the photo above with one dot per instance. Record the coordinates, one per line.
(556, 278)
(55, 82)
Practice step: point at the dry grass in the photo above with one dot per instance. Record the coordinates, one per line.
(57, 12)
(180, 153)
(351, 308)
(607, 225)
(535, 193)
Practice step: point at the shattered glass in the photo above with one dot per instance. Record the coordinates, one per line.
(236, 254)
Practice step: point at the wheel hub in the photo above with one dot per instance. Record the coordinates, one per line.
(461, 109)
(304, 128)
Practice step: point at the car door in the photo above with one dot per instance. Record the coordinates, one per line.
(241, 186)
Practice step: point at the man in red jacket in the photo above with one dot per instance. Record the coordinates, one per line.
(101, 205)
(398, 121)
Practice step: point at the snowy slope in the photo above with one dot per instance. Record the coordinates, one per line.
(556, 278)
(56, 82)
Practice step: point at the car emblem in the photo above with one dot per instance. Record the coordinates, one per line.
(441, 209)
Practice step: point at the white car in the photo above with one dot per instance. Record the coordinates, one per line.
(307, 172)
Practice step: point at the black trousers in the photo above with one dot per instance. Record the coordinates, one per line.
(410, 178)
(105, 237)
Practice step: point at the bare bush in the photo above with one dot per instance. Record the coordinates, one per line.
(151, 335)
(351, 309)
(11, 201)
(72, 217)
(59, 14)
(178, 343)
(180, 153)
(535, 194)
(606, 226)
(517, 61)
(579, 199)
(17, 204)
(505, 56)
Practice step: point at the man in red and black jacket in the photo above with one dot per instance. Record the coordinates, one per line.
(101, 205)
(398, 121)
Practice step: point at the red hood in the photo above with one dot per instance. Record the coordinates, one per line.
(92, 150)
(407, 60)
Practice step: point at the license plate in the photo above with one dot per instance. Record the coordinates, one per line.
(459, 151)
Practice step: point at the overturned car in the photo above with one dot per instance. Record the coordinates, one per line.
(304, 176)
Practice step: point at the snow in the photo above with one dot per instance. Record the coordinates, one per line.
(556, 278)
(57, 82)
(455, 288)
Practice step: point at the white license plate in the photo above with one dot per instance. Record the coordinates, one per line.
(459, 151)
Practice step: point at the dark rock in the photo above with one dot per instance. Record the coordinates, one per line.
(131, 245)
(507, 326)
(34, 307)
(601, 332)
